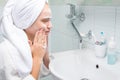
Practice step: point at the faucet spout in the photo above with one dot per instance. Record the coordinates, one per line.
(78, 33)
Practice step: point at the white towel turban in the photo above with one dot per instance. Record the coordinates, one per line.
(19, 15)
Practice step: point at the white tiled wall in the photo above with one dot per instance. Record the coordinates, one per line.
(98, 18)
(102, 18)
(63, 36)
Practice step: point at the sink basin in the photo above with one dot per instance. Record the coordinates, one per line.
(82, 65)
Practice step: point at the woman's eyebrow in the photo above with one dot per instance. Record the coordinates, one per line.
(47, 17)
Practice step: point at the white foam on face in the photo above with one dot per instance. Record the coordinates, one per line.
(43, 27)
(45, 44)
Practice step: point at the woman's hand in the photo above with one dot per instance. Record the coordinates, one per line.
(38, 45)
(38, 52)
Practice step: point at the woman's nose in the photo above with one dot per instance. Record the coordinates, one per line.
(49, 25)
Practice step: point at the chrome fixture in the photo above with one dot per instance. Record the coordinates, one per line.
(89, 34)
(79, 35)
(81, 17)
(73, 15)
(84, 79)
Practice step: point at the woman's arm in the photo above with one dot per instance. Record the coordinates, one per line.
(36, 67)
(46, 59)
(38, 52)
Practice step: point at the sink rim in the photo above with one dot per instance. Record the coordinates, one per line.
(52, 68)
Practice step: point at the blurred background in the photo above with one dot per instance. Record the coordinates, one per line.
(100, 16)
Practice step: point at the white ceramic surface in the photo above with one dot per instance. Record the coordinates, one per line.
(79, 64)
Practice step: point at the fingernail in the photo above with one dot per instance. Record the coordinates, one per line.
(29, 41)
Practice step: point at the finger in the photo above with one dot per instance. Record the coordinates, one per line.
(36, 35)
(41, 37)
(36, 38)
(30, 42)
(44, 41)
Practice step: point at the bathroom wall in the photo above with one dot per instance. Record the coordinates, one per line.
(102, 18)
(87, 2)
(98, 18)
(102, 2)
(62, 2)
(63, 36)
(101, 15)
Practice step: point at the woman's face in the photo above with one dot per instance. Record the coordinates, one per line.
(43, 21)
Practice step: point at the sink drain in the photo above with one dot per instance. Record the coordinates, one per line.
(84, 79)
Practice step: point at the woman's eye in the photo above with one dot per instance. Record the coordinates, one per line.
(46, 20)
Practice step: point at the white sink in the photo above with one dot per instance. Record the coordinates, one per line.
(82, 65)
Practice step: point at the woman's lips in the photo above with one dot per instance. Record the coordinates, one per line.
(47, 32)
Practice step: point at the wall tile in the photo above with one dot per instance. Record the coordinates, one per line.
(105, 16)
(60, 42)
(63, 36)
(98, 18)
(102, 18)
(88, 24)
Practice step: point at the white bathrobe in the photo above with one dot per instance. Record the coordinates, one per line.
(15, 53)
(7, 65)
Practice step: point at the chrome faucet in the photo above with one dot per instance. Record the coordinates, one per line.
(78, 33)
(73, 16)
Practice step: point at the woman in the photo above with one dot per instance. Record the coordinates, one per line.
(24, 28)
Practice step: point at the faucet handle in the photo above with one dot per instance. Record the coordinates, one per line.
(89, 34)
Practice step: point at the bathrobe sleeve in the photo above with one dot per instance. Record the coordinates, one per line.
(44, 71)
(7, 67)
